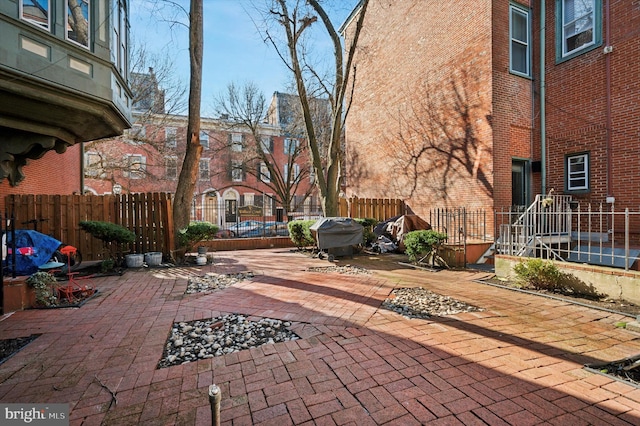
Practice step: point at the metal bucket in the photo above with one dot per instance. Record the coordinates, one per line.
(153, 258)
(134, 260)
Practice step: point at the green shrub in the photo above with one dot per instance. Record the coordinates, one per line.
(368, 236)
(107, 266)
(196, 232)
(540, 274)
(112, 235)
(423, 244)
(108, 232)
(300, 233)
(43, 283)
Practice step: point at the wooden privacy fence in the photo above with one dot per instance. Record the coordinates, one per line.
(380, 209)
(148, 215)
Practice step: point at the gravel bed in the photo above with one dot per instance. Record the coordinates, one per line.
(421, 303)
(346, 269)
(201, 339)
(212, 281)
(8, 347)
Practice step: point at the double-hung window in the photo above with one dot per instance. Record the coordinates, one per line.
(237, 142)
(37, 12)
(92, 164)
(291, 177)
(171, 167)
(170, 134)
(577, 172)
(267, 144)
(203, 169)
(204, 139)
(237, 171)
(520, 41)
(265, 174)
(136, 166)
(578, 26)
(290, 146)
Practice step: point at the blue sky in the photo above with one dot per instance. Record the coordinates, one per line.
(233, 49)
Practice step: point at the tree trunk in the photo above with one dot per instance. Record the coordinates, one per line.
(189, 173)
(327, 170)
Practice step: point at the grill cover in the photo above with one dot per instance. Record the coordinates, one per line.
(331, 232)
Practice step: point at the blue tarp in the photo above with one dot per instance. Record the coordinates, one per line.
(43, 248)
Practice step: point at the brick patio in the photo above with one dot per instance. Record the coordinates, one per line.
(517, 362)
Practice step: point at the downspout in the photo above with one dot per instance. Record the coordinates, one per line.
(81, 168)
(543, 123)
(607, 59)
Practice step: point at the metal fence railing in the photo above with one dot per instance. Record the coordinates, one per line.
(555, 227)
(261, 215)
(460, 224)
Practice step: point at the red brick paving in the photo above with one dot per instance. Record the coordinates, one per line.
(519, 361)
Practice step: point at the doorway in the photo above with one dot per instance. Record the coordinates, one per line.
(230, 210)
(519, 184)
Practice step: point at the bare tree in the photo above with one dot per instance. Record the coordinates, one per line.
(295, 18)
(246, 108)
(157, 94)
(189, 172)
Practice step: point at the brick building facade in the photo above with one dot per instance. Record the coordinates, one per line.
(448, 108)
(592, 97)
(54, 173)
(232, 184)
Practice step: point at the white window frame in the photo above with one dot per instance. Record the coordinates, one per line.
(236, 171)
(89, 170)
(290, 145)
(565, 26)
(312, 174)
(296, 172)
(203, 169)
(514, 41)
(265, 174)
(237, 142)
(171, 136)
(578, 175)
(39, 24)
(68, 26)
(136, 169)
(204, 139)
(171, 164)
(266, 144)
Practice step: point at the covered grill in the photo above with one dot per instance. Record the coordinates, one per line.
(337, 235)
